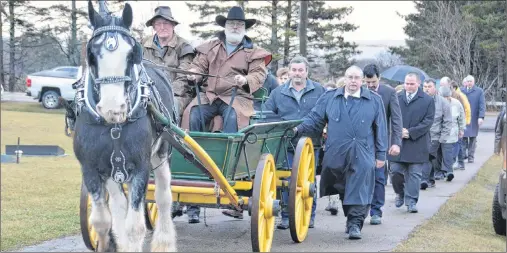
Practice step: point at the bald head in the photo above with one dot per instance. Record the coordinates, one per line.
(445, 81)
(354, 69)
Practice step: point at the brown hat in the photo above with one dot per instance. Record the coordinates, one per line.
(162, 12)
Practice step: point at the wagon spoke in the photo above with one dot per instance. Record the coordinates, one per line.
(262, 223)
(270, 227)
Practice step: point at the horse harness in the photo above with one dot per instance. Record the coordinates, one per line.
(140, 91)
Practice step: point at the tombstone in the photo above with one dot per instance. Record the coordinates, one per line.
(35, 150)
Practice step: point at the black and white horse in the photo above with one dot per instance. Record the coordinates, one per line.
(117, 141)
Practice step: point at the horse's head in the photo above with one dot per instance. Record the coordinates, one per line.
(111, 53)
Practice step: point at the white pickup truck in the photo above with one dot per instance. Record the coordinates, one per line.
(46, 86)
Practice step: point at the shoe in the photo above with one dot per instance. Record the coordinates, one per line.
(375, 220)
(461, 167)
(470, 160)
(194, 218)
(312, 223)
(354, 232)
(439, 176)
(431, 184)
(332, 207)
(233, 213)
(450, 177)
(284, 224)
(332, 210)
(424, 185)
(399, 200)
(412, 208)
(455, 166)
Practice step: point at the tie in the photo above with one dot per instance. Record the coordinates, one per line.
(409, 97)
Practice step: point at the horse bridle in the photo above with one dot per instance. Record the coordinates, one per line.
(139, 78)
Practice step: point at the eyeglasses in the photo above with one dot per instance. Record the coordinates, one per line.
(354, 77)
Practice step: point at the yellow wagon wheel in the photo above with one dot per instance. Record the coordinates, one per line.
(302, 190)
(87, 231)
(264, 205)
(150, 215)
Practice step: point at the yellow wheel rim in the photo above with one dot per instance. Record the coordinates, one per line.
(92, 233)
(301, 200)
(152, 213)
(264, 194)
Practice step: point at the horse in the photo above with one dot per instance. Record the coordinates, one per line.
(117, 141)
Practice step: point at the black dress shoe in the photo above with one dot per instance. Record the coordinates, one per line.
(424, 185)
(450, 177)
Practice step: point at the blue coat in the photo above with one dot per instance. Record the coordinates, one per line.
(477, 109)
(283, 103)
(418, 117)
(355, 139)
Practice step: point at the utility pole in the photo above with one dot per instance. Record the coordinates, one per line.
(303, 25)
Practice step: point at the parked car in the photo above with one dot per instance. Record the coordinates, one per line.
(48, 85)
(500, 198)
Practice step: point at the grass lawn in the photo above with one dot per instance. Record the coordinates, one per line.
(464, 222)
(29, 107)
(40, 196)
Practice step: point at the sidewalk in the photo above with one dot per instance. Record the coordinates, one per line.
(230, 235)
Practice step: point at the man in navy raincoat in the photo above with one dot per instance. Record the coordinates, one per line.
(356, 145)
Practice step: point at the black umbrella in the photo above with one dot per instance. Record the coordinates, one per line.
(397, 73)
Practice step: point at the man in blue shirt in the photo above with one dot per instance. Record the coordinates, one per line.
(293, 101)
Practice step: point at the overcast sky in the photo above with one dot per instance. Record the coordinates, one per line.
(377, 20)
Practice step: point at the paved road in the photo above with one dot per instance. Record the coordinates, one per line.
(17, 97)
(225, 234)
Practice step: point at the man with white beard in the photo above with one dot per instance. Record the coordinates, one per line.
(239, 69)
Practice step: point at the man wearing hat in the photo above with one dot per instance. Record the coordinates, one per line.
(168, 49)
(234, 62)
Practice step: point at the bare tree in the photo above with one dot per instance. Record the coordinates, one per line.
(303, 25)
(2, 14)
(450, 40)
(385, 60)
(286, 43)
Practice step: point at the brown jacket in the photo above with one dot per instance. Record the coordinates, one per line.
(248, 60)
(177, 54)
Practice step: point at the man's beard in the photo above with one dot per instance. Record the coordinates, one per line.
(234, 38)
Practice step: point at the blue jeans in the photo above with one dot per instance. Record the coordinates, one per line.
(379, 192)
(218, 107)
(285, 193)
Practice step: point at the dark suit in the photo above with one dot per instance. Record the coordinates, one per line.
(418, 116)
(395, 124)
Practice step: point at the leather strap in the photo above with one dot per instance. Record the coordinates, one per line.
(119, 172)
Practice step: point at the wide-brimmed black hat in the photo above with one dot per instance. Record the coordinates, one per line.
(235, 13)
(162, 12)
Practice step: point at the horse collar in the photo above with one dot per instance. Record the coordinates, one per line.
(119, 172)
